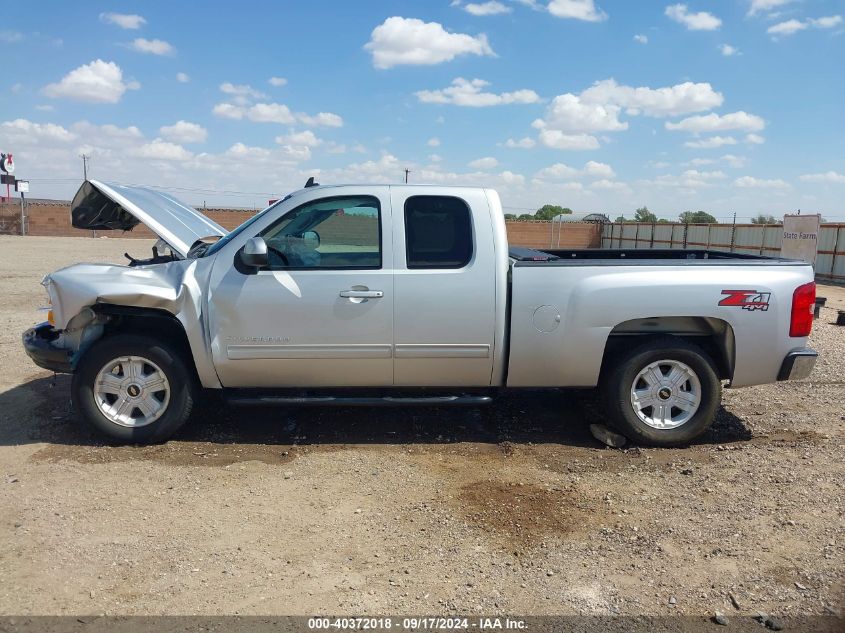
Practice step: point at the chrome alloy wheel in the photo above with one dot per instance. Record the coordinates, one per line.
(131, 391)
(666, 394)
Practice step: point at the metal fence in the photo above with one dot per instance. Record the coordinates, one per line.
(753, 239)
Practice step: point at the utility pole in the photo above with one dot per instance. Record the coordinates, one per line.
(85, 158)
(407, 171)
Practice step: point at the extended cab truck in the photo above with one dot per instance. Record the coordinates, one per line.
(412, 293)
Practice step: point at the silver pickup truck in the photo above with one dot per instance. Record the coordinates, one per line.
(405, 295)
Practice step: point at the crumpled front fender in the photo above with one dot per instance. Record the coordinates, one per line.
(175, 287)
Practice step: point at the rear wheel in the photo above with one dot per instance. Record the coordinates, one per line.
(664, 392)
(134, 389)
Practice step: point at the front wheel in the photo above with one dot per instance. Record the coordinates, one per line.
(664, 392)
(134, 389)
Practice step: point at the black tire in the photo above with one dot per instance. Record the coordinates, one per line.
(618, 379)
(182, 387)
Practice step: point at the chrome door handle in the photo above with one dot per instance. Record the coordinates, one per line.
(362, 294)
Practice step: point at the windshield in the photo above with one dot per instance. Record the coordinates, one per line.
(237, 231)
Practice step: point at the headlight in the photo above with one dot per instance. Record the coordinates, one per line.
(49, 310)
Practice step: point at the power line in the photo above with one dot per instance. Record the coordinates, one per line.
(85, 158)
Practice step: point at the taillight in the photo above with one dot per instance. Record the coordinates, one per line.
(803, 302)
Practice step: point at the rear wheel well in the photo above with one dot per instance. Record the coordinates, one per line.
(714, 336)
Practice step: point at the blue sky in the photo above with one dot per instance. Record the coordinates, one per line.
(605, 105)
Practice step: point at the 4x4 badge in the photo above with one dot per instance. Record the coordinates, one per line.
(746, 299)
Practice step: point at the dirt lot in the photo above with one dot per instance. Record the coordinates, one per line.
(515, 510)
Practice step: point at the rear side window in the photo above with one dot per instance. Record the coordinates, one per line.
(438, 232)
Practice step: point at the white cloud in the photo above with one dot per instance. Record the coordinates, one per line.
(306, 137)
(277, 81)
(558, 140)
(522, 143)
(704, 175)
(229, 111)
(577, 9)
(728, 51)
(107, 136)
(129, 21)
(790, 27)
(182, 78)
(151, 47)
(409, 41)
(243, 91)
(641, 39)
(11, 37)
(274, 113)
(435, 158)
(674, 100)
(749, 182)
(433, 142)
(44, 107)
(754, 139)
(162, 150)
(719, 123)
(764, 6)
(689, 180)
(701, 21)
(270, 113)
(563, 172)
(97, 82)
(598, 170)
(827, 22)
(786, 28)
(27, 132)
(184, 132)
(734, 161)
(469, 93)
(571, 120)
(321, 119)
(493, 7)
(569, 113)
(558, 171)
(488, 162)
(711, 142)
(609, 185)
(828, 176)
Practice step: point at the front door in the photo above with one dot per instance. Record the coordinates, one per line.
(321, 314)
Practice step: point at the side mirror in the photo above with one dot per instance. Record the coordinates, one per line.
(254, 253)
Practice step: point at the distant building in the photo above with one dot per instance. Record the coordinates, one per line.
(600, 218)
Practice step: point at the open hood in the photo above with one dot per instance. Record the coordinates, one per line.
(103, 206)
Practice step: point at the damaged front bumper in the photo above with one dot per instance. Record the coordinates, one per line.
(38, 343)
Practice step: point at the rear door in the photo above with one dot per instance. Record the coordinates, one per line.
(444, 285)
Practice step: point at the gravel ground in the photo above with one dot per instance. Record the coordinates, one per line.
(511, 510)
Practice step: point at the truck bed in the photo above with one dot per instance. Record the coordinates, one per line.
(651, 257)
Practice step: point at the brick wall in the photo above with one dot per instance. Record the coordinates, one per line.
(54, 220)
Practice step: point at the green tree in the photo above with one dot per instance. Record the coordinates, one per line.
(510, 216)
(644, 215)
(526, 216)
(697, 217)
(621, 218)
(762, 218)
(548, 211)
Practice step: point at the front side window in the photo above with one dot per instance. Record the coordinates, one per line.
(438, 232)
(335, 233)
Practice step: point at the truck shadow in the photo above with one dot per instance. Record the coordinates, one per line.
(38, 411)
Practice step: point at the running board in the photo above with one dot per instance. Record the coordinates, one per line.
(342, 401)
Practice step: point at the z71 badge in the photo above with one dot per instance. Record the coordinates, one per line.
(746, 299)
